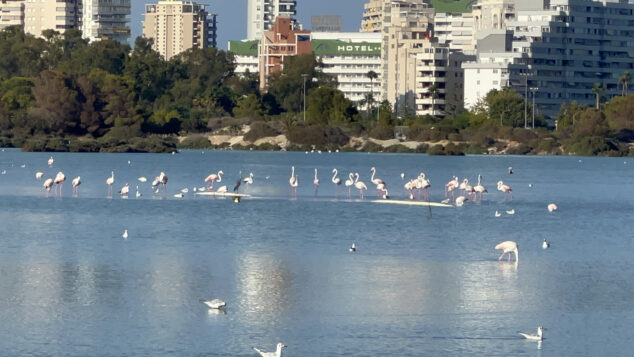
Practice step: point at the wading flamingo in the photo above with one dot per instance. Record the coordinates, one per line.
(360, 185)
(59, 179)
(336, 180)
(76, 182)
(316, 183)
(214, 178)
(508, 247)
(349, 182)
(508, 192)
(109, 182)
(293, 181)
(479, 188)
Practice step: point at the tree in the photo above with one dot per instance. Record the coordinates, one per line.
(433, 90)
(56, 103)
(372, 76)
(249, 107)
(619, 113)
(625, 79)
(505, 105)
(329, 106)
(597, 89)
(569, 113)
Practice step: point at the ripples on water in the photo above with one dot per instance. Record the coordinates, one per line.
(417, 285)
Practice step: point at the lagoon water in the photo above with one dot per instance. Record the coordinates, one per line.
(422, 282)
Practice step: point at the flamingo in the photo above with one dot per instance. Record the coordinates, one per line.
(59, 179)
(316, 183)
(76, 182)
(222, 189)
(142, 179)
(214, 178)
(138, 194)
(463, 185)
(163, 180)
(51, 161)
(451, 186)
(277, 353)
(360, 185)
(508, 247)
(479, 188)
(109, 182)
(293, 181)
(248, 181)
(380, 184)
(39, 175)
(460, 201)
(535, 337)
(422, 182)
(48, 183)
(552, 207)
(336, 180)
(409, 186)
(124, 190)
(125, 234)
(505, 189)
(349, 182)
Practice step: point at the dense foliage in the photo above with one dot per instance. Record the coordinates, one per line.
(60, 93)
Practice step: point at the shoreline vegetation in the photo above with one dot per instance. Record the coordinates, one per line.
(60, 93)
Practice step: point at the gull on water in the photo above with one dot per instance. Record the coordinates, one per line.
(545, 244)
(534, 337)
(511, 211)
(214, 304)
(498, 214)
(353, 248)
(277, 353)
(125, 234)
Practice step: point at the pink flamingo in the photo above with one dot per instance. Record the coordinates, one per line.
(76, 182)
(48, 183)
(214, 178)
(377, 181)
(248, 181)
(59, 179)
(422, 183)
(451, 186)
(409, 187)
(505, 189)
(508, 247)
(316, 183)
(360, 185)
(336, 180)
(109, 182)
(479, 188)
(293, 181)
(163, 180)
(349, 182)
(552, 207)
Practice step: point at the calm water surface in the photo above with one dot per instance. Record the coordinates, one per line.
(420, 283)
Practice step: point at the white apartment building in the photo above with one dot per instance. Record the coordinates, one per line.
(51, 15)
(11, 13)
(176, 26)
(106, 19)
(455, 31)
(347, 56)
(261, 15)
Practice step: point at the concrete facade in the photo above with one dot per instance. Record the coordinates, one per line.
(12, 13)
(51, 15)
(261, 15)
(106, 19)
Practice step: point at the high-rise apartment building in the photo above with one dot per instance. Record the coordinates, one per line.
(455, 30)
(372, 20)
(51, 15)
(11, 13)
(103, 19)
(176, 26)
(261, 15)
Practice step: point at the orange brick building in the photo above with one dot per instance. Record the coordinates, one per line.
(281, 41)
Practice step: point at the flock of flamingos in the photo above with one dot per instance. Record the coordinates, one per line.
(456, 193)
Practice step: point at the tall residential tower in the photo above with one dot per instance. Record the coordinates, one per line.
(105, 19)
(261, 15)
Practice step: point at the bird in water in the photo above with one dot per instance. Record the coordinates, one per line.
(236, 188)
(545, 244)
(534, 337)
(214, 304)
(353, 248)
(138, 194)
(76, 182)
(552, 207)
(508, 247)
(498, 214)
(51, 161)
(277, 353)
(510, 170)
(511, 211)
(125, 234)
(316, 183)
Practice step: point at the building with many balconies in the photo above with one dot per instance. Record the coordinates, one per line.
(261, 15)
(105, 19)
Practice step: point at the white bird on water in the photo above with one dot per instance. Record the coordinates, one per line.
(214, 304)
(545, 244)
(498, 214)
(353, 248)
(277, 353)
(552, 207)
(511, 211)
(125, 234)
(534, 337)
(142, 179)
(39, 175)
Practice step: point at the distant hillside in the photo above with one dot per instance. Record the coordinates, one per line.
(452, 5)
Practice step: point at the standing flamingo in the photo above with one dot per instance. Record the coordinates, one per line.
(293, 181)
(76, 182)
(422, 182)
(451, 186)
(409, 187)
(51, 161)
(479, 188)
(163, 180)
(214, 178)
(48, 183)
(336, 180)
(59, 179)
(349, 182)
(316, 182)
(360, 185)
(508, 247)
(109, 182)
(380, 184)
(505, 189)
(248, 181)
(124, 190)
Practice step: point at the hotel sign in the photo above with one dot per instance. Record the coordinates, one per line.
(336, 47)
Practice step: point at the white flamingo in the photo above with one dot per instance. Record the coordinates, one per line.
(423, 183)
(460, 201)
(142, 179)
(76, 182)
(124, 190)
(360, 185)
(138, 194)
(39, 175)
(508, 247)
(214, 178)
(409, 187)
(248, 181)
(163, 180)
(336, 180)
(316, 182)
(451, 186)
(51, 161)
(479, 188)
(110, 182)
(349, 182)
(293, 181)
(48, 183)
(552, 207)
(508, 192)
(59, 179)
(380, 184)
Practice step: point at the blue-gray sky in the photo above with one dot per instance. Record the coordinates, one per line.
(232, 15)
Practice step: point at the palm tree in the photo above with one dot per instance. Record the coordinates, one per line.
(625, 79)
(597, 89)
(433, 90)
(372, 75)
(368, 100)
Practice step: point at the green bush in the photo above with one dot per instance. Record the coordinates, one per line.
(372, 147)
(547, 145)
(195, 142)
(34, 144)
(475, 149)
(590, 146)
(268, 147)
(398, 148)
(381, 133)
(351, 149)
(521, 149)
(422, 148)
(453, 149)
(436, 150)
(259, 130)
(317, 135)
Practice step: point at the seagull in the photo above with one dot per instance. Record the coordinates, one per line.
(511, 211)
(185, 190)
(545, 244)
(510, 170)
(138, 194)
(214, 304)
(535, 337)
(353, 248)
(179, 195)
(552, 207)
(277, 353)
(498, 214)
(39, 175)
(125, 234)
(142, 179)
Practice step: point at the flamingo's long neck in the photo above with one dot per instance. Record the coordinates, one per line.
(334, 176)
(292, 171)
(315, 174)
(373, 172)
(356, 177)
(517, 257)
(479, 177)
(219, 176)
